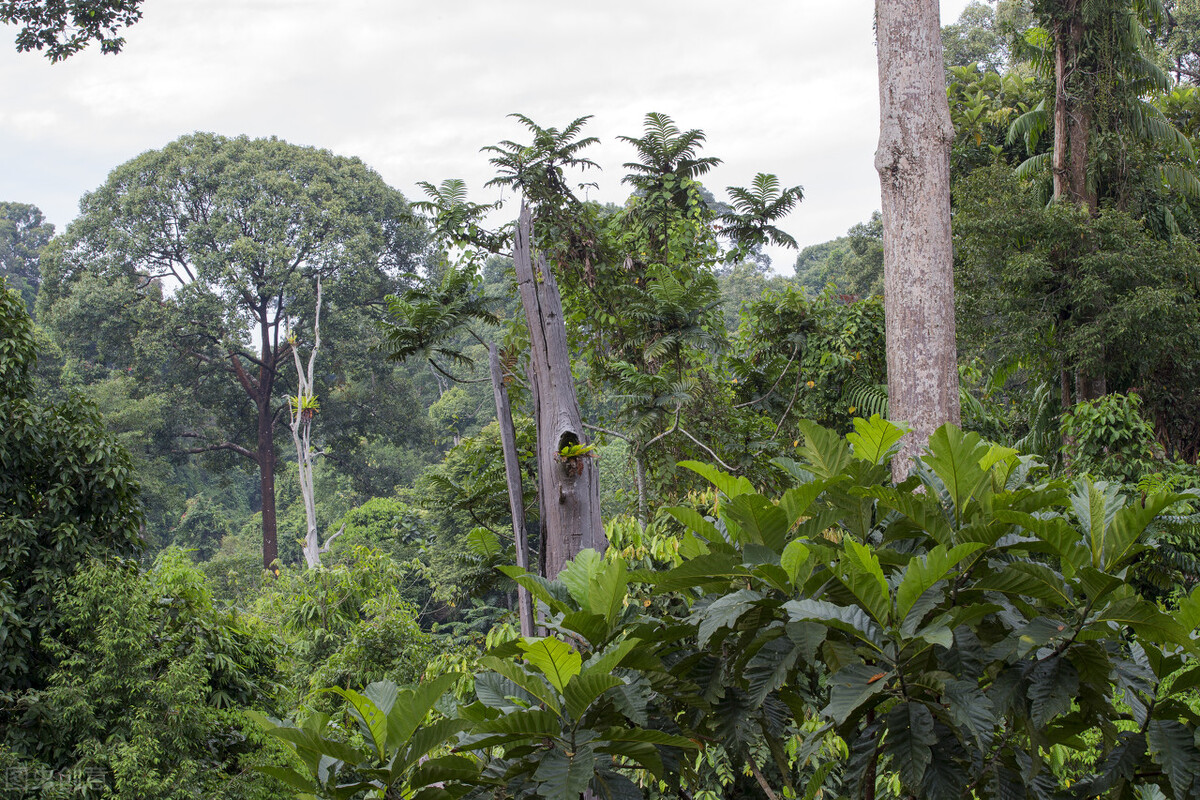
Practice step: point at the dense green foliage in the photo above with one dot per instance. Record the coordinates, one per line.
(774, 617)
(960, 629)
(67, 494)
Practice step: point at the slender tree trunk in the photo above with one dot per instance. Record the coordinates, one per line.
(266, 438)
(913, 162)
(266, 479)
(569, 489)
(303, 409)
(1058, 158)
(1074, 113)
(516, 492)
(639, 463)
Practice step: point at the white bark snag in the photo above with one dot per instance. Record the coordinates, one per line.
(303, 407)
(569, 491)
(913, 161)
(516, 493)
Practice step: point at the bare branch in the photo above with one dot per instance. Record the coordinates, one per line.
(597, 428)
(212, 448)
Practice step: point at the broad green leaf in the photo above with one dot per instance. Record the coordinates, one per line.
(795, 562)
(609, 590)
(383, 694)
(550, 593)
(862, 575)
(1029, 579)
(311, 747)
(995, 454)
(923, 510)
(535, 723)
(815, 527)
(443, 769)
(937, 633)
(955, 457)
(1173, 747)
(796, 502)
(371, 720)
(424, 741)
(1053, 684)
(644, 755)
(579, 574)
(1127, 526)
(496, 691)
(909, 740)
(534, 684)
(1145, 619)
(925, 571)
(649, 736)
(730, 486)
(1094, 505)
(611, 657)
(724, 612)
(852, 620)
(1039, 632)
(413, 705)
(760, 520)
(875, 440)
(583, 689)
(851, 687)
(694, 522)
(826, 453)
(769, 668)
(700, 571)
(556, 659)
(592, 627)
(291, 777)
(565, 777)
(1063, 539)
(1187, 613)
(971, 709)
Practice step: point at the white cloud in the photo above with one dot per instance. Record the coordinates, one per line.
(416, 88)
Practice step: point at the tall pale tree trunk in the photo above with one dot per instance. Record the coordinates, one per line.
(568, 489)
(516, 492)
(913, 161)
(303, 408)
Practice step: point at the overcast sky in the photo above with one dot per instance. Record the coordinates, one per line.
(415, 89)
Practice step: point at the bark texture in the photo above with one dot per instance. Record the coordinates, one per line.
(568, 489)
(1073, 109)
(516, 492)
(1074, 113)
(913, 161)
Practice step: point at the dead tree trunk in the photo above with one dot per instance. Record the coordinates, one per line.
(516, 492)
(913, 162)
(568, 488)
(303, 408)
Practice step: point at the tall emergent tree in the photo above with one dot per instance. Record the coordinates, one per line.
(913, 161)
(23, 233)
(1098, 56)
(223, 240)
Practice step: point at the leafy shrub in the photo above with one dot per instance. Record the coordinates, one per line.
(67, 492)
(150, 681)
(1108, 437)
